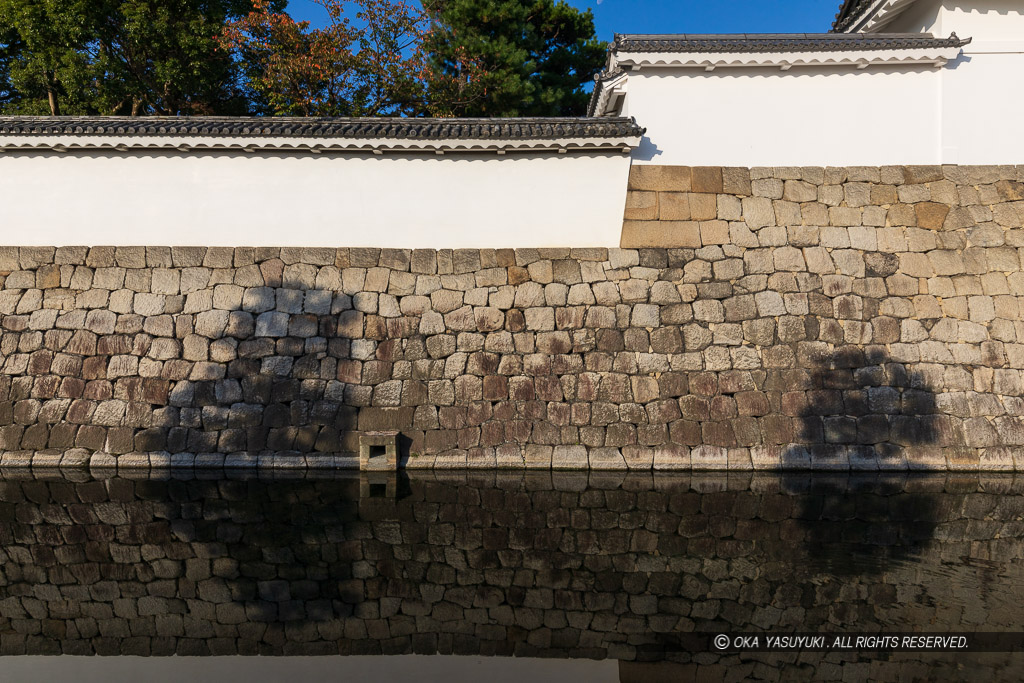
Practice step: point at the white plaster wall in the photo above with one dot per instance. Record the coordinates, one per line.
(807, 116)
(967, 112)
(238, 199)
(983, 20)
(983, 110)
(982, 101)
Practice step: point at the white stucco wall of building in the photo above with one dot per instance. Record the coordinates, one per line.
(983, 20)
(967, 111)
(265, 199)
(807, 116)
(983, 110)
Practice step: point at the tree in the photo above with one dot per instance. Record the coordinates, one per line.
(10, 47)
(367, 61)
(123, 56)
(535, 56)
(49, 68)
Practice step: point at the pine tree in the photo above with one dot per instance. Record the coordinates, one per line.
(535, 56)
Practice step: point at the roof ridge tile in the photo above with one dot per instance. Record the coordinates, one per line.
(421, 129)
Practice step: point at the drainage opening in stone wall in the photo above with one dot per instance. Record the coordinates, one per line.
(380, 451)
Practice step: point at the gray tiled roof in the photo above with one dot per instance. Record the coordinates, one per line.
(848, 12)
(600, 79)
(780, 42)
(421, 129)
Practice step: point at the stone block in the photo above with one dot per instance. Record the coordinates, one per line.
(660, 178)
(642, 206)
(638, 234)
(672, 206)
(272, 324)
(930, 215)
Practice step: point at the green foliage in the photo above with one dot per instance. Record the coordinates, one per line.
(10, 47)
(367, 60)
(120, 57)
(179, 57)
(535, 56)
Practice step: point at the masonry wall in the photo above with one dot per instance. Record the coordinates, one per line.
(856, 317)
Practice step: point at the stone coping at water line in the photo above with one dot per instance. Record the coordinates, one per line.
(540, 458)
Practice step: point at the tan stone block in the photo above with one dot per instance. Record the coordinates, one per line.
(830, 195)
(787, 213)
(916, 265)
(758, 212)
(683, 234)
(818, 260)
(958, 218)
(814, 213)
(857, 194)
(799, 191)
(1006, 215)
(714, 232)
(772, 188)
(707, 179)
(832, 237)
(912, 194)
(864, 174)
(891, 240)
(902, 215)
(943, 192)
(863, 238)
(883, 194)
(703, 207)
(736, 181)
(914, 175)
(641, 205)
(1010, 190)
(786, 172)
(668, 178)
(931, 215)
(844, 216)
(48, 277)
(874, 216)
(673, 206)
(891, 175)
(729, 208)
(741, 236)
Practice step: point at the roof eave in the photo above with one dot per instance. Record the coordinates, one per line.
(869, 16)
(272, 145)
(608, 87)
(241, 134)
(710, 61)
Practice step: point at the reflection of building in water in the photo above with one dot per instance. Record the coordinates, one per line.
(611, 566)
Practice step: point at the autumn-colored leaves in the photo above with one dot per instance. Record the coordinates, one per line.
(369, 60)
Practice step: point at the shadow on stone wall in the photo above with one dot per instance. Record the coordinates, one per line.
(281, 377)
(860, 406)
(862, 411)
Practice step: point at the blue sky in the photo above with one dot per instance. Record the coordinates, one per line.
(679, 16)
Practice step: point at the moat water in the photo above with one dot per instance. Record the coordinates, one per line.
(540, 576)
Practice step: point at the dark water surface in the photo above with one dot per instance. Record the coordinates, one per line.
(574, 567)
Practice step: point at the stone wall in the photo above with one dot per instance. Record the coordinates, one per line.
(610, 565)
(858, 317)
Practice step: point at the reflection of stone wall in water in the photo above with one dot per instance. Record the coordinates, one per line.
(500, 564)
(754, 299)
